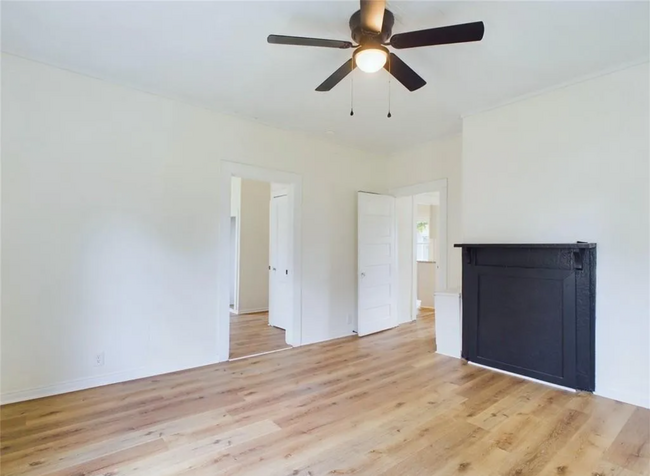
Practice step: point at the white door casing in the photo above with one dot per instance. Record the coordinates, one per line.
(234, 243)
(279, 280)
(377, 263)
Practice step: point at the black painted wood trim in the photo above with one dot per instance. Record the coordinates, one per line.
(577, 245)
(575, 266)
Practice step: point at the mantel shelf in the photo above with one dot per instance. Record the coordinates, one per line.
(577, 245)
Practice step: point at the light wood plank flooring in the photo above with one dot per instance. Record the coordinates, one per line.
(381, 405)
(251, 334)
(426, 313)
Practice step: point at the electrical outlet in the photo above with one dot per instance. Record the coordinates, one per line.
(349, 318)
(99, 359)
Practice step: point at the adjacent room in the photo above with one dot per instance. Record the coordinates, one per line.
(261, 290)
(325, 237)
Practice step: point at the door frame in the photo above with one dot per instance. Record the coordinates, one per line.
(235, 277)
(294, 182)
(439, 186)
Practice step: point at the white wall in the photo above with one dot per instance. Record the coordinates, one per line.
(432, 161)
(109, 228)
(254, 246)
(568, 165)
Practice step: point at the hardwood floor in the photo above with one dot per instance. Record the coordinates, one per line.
(381, 405)
(250, 334)
(426, 312)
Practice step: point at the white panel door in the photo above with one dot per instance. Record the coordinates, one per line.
(280, 282)
(377, 279)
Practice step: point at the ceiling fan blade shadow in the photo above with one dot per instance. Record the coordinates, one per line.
(372, 15)
(304, 41)
(403, 73)
(337, 76)
(445, 35)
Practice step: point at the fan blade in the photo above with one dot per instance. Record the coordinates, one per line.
(403, 73)
(439, 36)
(337, 76)
(372, 15)
(303, 41)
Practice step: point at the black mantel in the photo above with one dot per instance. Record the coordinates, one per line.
(576, 245)
(530, 309)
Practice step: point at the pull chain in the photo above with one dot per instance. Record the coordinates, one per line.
(389, 115)
(352, 89)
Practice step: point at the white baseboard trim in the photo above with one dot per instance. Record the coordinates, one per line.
(560, 387)
(94, 381)
(239, 312)
(350, 334)
(115, 377)
(448, 353)
(72, 385)
(288, 347)
(623, 396)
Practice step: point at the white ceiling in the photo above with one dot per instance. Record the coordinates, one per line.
(215, 54)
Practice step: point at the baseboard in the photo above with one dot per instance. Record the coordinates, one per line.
(623, 396)
(350, 334)
(239, 312)
(613, 394)
(94, 381)
(72, 386)
(113, 378)
(288, 347)
(560, 387)
(447, 353)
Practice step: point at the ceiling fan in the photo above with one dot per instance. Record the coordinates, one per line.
(371, 28)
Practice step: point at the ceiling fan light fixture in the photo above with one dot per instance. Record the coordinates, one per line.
(370, 58)
(371, 30)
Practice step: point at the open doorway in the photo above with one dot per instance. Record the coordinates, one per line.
(426, 265)
(260, 285)
(402, 256)
(421, 216)
(228, 199)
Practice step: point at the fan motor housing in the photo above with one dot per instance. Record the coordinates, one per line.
(360, 36)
